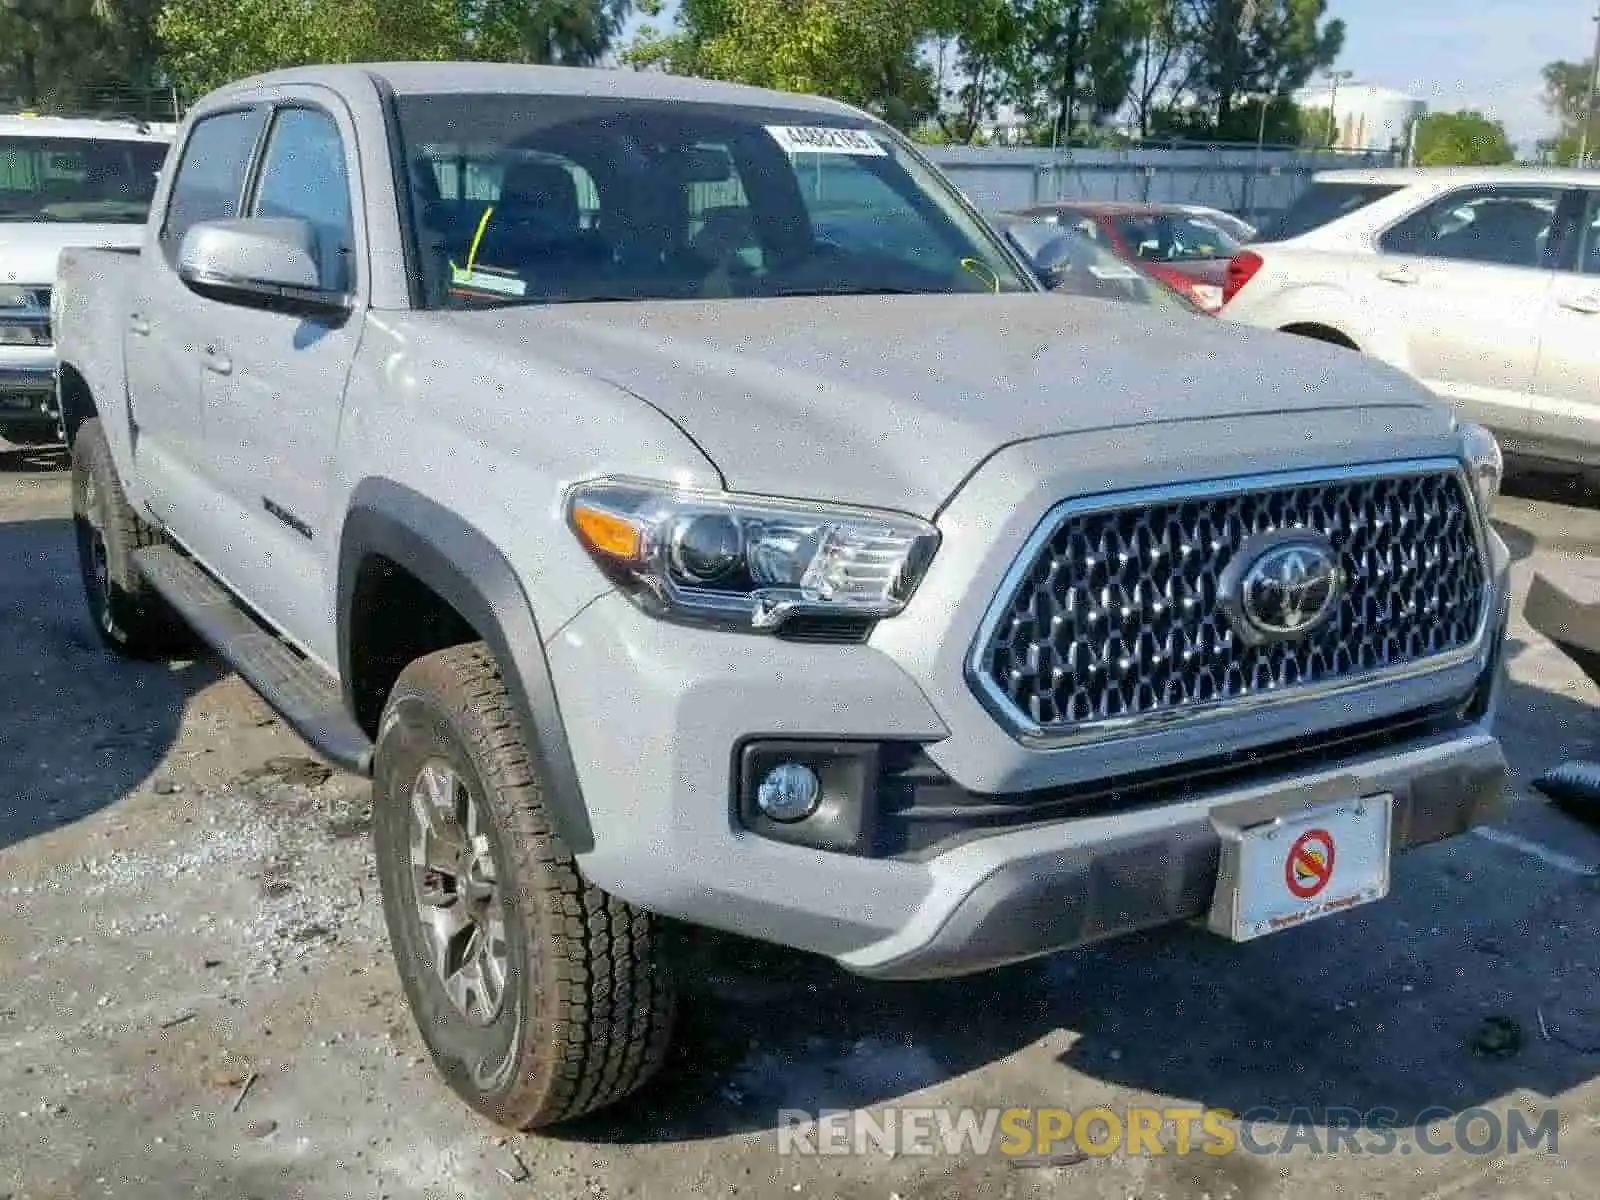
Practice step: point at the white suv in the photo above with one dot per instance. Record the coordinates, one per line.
(1484, 283)
(63, 182)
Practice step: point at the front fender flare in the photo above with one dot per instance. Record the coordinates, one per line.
(464, 569)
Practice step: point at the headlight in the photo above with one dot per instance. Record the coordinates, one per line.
(747, 561)
(1484, 464)
(14, 297)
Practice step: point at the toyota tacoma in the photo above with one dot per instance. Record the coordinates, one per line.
(685, 507)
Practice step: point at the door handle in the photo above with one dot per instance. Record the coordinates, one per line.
(1401, 275)
(137, 324)
(1588, 305)
(217, 362)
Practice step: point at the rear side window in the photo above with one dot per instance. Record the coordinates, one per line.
(210, 178)
(1323, 204)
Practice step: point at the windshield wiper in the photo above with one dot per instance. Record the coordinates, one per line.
(871, 290)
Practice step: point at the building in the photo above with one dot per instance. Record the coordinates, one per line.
(1365, 116)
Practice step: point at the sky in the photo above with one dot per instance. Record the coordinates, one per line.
(1483, 54)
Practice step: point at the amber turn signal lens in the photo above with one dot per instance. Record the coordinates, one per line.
(606, 533)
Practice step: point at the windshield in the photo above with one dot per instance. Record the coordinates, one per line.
(1322, 204)
(1173, 237)
(1079, 267)
(78, 180)
(522, 199)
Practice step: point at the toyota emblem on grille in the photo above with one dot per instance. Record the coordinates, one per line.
(1281, 587)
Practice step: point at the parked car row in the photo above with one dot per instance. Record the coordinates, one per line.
(63, 182)
(1483, 283)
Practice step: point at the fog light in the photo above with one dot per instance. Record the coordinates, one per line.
(789, 792)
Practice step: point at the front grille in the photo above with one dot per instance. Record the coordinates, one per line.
(1115, 617)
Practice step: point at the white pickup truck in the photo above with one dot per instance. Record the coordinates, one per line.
(683, 504)
(63, 182)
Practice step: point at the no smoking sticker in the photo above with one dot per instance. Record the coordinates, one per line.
(1309, 866)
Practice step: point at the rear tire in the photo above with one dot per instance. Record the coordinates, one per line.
(126, 612)
(539, 997)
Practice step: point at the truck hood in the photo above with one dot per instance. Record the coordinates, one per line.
(28, 252)
(893, 401)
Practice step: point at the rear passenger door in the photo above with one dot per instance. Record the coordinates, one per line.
(162, 340)
(1564, 412)
(274, 382)
(1463, 284)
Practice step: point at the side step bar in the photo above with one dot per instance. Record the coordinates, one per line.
(302, 692)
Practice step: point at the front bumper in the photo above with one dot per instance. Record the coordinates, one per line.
(1039, 849)
(27, 390)
(654, 713)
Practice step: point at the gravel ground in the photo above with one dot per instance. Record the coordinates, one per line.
(196, 998)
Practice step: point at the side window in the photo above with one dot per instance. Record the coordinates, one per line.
(1589, 235)
(854, 208)
(1497, 226)
(211, 175)
(303, 176)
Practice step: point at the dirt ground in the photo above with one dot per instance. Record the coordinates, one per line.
(196, 997)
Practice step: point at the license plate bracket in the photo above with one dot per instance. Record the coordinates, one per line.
(1325, 851)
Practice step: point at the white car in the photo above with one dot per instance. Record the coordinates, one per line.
(63, 182)
(1484, 283)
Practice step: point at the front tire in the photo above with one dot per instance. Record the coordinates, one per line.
(539, 997)
(129, 616)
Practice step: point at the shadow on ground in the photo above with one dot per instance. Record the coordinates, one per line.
(81, 727)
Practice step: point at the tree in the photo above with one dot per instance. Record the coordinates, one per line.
(573, 33)
(1256, 48)
(58, 53)
(1467, 139)
(1075, 61)
(208, 42)
(974, 42)
(1165, 41)
(1566, 96)
(864, 52)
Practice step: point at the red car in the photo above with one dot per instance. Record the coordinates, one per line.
(1174, 243)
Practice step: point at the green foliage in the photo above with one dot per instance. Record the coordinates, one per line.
(1066, 66)
(1461, 139)
(863, 52)
(1074, 62)
(62, 53)
(1566, 95)
(210, 42)
(72, 53)
(1256, 47)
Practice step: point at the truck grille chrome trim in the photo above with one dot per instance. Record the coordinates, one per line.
(1109, 622)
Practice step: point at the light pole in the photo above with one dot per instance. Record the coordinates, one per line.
(1588, 107)
(1335, 78)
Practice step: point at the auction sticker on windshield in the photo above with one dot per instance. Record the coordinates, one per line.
(819, 139)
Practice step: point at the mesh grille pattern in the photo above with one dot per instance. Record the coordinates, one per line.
(1117, 617)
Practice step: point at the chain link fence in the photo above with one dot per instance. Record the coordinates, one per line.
(1255, 183)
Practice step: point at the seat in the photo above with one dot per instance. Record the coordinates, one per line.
(725, 234)
(536, 229)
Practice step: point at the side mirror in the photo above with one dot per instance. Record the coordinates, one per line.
(260, 263)
(1049, 274)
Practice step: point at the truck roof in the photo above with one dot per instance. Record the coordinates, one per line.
(129, 129)
(459, 78)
